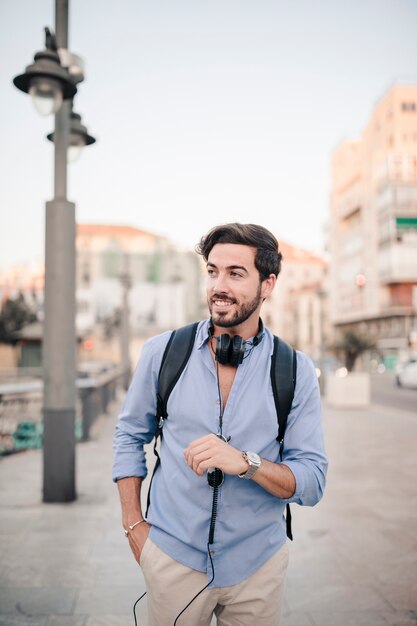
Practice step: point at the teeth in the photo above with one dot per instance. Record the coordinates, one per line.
(221, 303)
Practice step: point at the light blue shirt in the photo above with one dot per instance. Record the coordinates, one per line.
(250, 526)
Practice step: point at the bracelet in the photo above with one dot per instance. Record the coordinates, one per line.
(133, 526)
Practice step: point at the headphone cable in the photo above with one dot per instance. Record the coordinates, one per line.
(220, 401)
(213, 511)
(215, 501)
(134, 607)
(201, 590)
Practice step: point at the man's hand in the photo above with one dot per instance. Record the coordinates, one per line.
(137, 538)
(129, 491)
(211, 451)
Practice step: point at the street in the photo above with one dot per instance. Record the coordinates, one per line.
(385, 392)
(353, 560)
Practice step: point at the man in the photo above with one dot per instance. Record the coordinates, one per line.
(248, 556)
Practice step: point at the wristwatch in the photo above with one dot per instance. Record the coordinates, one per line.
(254, 462)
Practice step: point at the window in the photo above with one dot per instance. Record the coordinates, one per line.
(408, 106)
(86, 274)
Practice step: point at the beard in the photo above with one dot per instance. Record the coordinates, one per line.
(240, 315)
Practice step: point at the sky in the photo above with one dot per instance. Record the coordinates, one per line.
(205, 111)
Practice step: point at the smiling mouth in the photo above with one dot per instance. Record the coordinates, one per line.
(222, 302)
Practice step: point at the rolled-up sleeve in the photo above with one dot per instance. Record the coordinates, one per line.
(304, 451)
(137, 420)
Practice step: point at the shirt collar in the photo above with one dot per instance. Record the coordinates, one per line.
(203, 334)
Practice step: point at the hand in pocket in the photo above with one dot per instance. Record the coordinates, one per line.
(137, 539)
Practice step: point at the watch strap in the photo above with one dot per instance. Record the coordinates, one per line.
(253, 467)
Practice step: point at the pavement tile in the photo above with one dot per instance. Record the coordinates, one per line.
(67, 620)
(402, 597)
(296, 619)
(47, 572)
(19, 573)
(10, 523)
(335, 598)
(116, 620)
(23, 620)
(37, 602)
(316, 561)
(404, 537)
(348, 618)
(120, 573)
(400, 618)
(29, 548)
(108, 600)
(403, 569)
(105, 553)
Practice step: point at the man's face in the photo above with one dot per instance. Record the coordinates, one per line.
(234, 289)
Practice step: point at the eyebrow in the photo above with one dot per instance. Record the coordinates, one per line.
(229, 267)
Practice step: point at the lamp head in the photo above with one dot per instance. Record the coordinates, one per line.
(46, 80)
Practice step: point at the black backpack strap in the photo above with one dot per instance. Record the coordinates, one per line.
(283, 380)
(175, 358)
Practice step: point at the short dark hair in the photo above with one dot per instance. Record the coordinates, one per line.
(268, 257)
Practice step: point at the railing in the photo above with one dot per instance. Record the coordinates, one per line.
(21, 419)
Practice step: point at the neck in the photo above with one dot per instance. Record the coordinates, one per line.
(246, 330)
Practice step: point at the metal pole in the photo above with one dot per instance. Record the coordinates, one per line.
(322, 379)
(124, 326)
(59, 341)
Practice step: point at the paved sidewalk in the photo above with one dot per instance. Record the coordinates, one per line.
(353, 561)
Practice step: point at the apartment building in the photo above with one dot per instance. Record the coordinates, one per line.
(163, 281)
(373, 226)
(297, 308)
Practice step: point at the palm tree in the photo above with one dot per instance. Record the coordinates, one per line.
(352, 345)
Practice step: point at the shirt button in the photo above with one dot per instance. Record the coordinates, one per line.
(217, 401)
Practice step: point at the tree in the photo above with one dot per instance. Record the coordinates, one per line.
(14, 315)
(352, 346)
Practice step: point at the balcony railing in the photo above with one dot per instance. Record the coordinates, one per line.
(21, 417)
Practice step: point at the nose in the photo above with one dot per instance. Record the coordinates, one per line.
(220, 284)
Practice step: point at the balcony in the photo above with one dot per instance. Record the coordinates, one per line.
(398, 262)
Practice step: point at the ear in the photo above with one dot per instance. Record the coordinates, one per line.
(268, 285)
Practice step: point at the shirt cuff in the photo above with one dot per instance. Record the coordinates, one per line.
(129, 466)
(298, 472)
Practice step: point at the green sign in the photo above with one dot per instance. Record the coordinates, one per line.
(403, 223)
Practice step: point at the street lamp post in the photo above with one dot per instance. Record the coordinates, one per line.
(53, 87)
(59, 343)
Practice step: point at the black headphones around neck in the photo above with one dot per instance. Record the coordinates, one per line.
(230, 350)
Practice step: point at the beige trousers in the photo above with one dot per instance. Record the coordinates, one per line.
(170, 587)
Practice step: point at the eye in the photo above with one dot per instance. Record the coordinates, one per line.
(235, 275)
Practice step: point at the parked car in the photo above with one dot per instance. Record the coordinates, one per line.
(407, 376)
(400, 367)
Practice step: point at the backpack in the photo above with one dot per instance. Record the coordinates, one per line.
(175, 358)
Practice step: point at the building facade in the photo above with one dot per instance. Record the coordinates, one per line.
(373, 227)
(297, 308)
(163, 281)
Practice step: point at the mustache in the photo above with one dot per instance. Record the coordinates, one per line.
(222, 297)
(219, 296)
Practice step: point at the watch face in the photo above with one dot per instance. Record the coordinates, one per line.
(253, 458)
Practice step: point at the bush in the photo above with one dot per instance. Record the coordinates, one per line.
(351, 346)
(15, 314)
